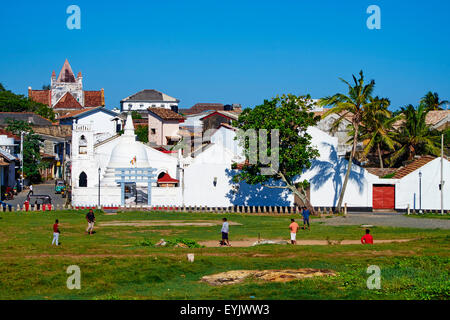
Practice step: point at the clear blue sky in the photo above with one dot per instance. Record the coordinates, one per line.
(229, 51)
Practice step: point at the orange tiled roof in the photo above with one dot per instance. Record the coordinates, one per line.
(67, 102)
(166, 114)
(413, 166)
(75, 113)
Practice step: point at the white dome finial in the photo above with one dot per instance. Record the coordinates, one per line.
(129, 127)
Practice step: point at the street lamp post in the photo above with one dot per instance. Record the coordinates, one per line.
(420, 191)
(99, 170)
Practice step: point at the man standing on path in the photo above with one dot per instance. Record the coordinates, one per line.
(225, 230)
(367, 238)
(91, 220)
(30, 193)
(293, 227)
(56, 233)
(306, 214)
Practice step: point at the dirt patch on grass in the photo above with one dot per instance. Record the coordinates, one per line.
(237, 276)
(157, 223)
(251, 242)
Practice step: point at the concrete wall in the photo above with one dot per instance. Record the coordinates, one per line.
(143, 106)
(408, 187)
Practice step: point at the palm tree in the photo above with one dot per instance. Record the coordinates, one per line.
(377, 128)
(352, 105)
(431, 101)
(415, 136)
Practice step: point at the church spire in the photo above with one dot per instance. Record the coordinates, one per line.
(66, 74)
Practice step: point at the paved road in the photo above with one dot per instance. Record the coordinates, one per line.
(388, 220)
(47, 188)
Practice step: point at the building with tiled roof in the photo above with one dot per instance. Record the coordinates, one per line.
(66, 92)
(204, 107)
(148, 98)
(163, 126)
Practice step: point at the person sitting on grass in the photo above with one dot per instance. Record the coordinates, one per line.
(367, 238)
(91, 220)
(305, 214)
(56, 233)
(293, 227)
(225, 230)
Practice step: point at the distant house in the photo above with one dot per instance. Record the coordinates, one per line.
(148, 98)
(66, 93)
(438, 119)
(163, 126)
(8, 158)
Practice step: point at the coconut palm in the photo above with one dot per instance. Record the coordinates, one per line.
(415, 136)
(351, 105)
(431, 101)
(377, 128)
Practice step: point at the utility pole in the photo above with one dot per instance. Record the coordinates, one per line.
(442, 174)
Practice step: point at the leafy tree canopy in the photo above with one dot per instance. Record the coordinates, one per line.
(291, 116)
(11, 102)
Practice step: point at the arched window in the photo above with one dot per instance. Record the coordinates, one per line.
(82, 145)
(83, 180)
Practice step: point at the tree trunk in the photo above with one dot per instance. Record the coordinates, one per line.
(305, 200)
(349, 168)
(380, 158)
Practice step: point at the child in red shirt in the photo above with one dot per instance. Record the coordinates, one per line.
(56, 232)
(367, 238)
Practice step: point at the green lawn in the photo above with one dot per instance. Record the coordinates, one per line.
(115, 266)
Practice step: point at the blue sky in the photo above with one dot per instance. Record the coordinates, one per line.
(229, 51)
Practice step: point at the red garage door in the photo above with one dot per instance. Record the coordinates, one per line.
(383, 196)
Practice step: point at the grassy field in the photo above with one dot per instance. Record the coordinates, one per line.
(115, 265)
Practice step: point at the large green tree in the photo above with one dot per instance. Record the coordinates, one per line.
(353, 105)
(31, 149)
(415, 136)
(376, 132)
(431, 101)
(11, 102)
(291, 116)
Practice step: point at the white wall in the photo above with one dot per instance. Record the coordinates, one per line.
(431, 195)
(143, 106)
(101, 122)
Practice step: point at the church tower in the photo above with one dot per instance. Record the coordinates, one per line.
(84, 165)
(66, 83)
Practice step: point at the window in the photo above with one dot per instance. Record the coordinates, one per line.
(82, 146)
(82, 183)
(153, 131)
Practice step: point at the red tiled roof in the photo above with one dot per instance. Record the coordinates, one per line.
(381, 172)
(94, 98)
(201, 107)
(8, 134)
(67, 102)
(75, 113)
(166, 114)
(41, 96)
(166, 178)
(413, 166)
(434, 116)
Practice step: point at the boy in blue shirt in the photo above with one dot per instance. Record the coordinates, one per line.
(305, 214)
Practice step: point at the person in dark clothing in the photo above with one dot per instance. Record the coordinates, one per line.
(91, 220)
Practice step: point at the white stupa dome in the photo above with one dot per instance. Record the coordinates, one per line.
(128, 153)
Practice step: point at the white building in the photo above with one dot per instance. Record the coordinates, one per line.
(148, 98)
(105, 123)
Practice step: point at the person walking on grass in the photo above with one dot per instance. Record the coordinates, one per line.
(293, 227)
(225, 231)
(90, 220)
(56, 233)
(306, 214)
(367, 238)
